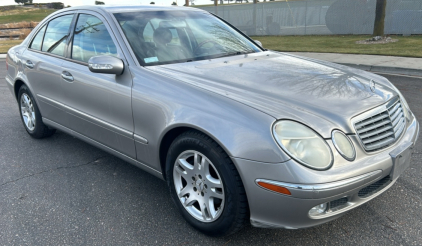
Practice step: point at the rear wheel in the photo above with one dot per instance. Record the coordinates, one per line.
(31, 116)
(205, 185)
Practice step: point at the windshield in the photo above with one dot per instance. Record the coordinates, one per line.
(163, 37)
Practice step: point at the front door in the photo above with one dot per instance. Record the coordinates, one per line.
(98, 105)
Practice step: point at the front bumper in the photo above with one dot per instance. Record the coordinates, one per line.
(345, 186)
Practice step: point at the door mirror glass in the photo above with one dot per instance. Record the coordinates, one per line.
(258, 42)
(106, 64)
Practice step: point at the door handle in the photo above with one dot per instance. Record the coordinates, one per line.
(67, 76)
(29, 64)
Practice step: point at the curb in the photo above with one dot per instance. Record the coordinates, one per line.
(387, 70)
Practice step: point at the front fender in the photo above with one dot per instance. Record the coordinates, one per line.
(161, 104)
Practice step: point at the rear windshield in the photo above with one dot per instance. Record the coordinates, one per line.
(164, 37)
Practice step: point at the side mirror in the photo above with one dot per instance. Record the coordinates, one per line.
(106, 64)
(258, 42)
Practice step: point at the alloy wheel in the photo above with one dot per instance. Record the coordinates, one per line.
(199, 186)
(28, 112)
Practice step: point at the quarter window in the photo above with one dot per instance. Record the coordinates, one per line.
(56, 35)
(37, 41)
(91, 38)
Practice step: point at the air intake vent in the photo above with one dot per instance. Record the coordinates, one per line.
(375, 187)
(383, 127)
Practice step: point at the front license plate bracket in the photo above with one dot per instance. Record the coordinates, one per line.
(401, 159)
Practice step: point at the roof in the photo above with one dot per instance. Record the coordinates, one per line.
(131, 8)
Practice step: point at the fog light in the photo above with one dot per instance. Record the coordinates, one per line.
(318, 210)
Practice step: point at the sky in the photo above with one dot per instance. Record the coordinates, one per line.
(110, 2)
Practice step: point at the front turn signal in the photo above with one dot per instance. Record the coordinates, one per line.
(274, 188)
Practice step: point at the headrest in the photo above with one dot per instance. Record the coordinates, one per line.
(165, 24)
(162, 36)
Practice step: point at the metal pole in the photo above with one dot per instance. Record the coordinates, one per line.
(306, 14)
(216, 7)
(254, 17)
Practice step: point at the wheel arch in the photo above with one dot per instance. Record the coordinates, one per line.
(18, 84)
(171, 134)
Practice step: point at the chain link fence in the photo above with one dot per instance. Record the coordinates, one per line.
(320, 17)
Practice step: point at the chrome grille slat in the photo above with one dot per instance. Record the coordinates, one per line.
(398, 133)
(398, 126)
(380, 124)
(397, 113)
(381, 128)
(396, 121)
(381, 144)
(366, 135)
(391, 111)
(372, 120)
(392, 105)
(379, 137)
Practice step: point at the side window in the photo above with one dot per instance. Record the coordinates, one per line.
(56, 35)
(37, 41)
(91, 38)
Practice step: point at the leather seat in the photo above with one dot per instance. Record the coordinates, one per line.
(164, 50)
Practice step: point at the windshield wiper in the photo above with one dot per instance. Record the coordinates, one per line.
(234, 53)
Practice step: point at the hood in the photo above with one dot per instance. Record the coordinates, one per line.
(286, 86)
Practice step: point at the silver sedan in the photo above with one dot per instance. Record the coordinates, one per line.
(239, 133)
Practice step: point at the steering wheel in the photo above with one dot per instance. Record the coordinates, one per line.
(202, 44)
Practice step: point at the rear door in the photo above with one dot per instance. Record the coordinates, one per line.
(42, 61)
(98, 105)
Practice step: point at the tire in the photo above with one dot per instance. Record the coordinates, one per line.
(222, 189)
(31, 116)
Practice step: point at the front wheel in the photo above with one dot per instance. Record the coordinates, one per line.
(205, 185)
(31, 116)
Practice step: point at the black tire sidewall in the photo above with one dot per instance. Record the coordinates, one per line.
(226, 220)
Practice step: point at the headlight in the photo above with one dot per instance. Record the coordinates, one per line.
(303, 144)
(405, 107)
(343, 145)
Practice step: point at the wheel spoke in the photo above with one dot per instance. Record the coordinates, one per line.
(216, 193)
(26, 98)
(205, 166)
(213, 182)
(196, 160)
(33, 117)
(185, 191)
(204, 211)
(183, 164)
(210, 208)
(189, 201)
(30, 124)
(182, 172)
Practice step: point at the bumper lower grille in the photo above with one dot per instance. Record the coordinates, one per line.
(339, 203)
(374, 188)
(383, 127)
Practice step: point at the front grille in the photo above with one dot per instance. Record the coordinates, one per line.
(382, 128)
(337, 204)
(374, 188)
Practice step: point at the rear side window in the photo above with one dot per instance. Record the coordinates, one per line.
(91, 38)
(37, 41)
(56, 35)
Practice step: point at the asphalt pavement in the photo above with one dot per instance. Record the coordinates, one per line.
(62, 191)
